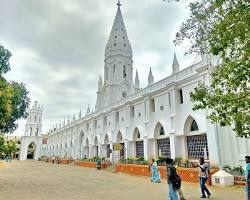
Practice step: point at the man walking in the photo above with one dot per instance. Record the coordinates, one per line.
(203, 174)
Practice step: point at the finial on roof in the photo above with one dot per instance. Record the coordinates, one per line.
(137, 83)
(80, 114)
(175, 65)
(88, 110)
(150, 77)
(119, 3)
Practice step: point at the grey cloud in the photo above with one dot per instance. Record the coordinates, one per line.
(68, 39)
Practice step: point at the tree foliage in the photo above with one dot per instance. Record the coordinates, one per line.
(14, 100)
(221, 28)
(7, 147)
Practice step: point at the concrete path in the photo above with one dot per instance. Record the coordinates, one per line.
(34, 180)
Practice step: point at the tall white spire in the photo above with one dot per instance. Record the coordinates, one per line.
(137, 82)
(118, 69)
(150, 77)
(175, 65)
(118, 39)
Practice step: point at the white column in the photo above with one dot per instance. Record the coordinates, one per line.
(173, 145)
(145, 148)
(126, 150)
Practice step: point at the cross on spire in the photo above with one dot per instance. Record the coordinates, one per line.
(119, 3)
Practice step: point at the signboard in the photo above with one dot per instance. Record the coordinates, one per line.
(117, 146)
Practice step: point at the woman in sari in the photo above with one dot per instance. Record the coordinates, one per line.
(155, 177)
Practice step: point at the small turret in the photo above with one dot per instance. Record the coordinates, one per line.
(150, 77)
(80, 114)
(175, 65)
(88, 110)
(137, 82)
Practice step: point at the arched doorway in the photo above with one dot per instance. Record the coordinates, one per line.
(138, 143)
(31, 151)
(119, 140)
(162, 142)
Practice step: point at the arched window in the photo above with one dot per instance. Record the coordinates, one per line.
(194, 126)
(35, 118)
(162, 131)
(124, 71)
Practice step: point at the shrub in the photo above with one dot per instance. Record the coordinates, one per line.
(227, 168)
(177, 161)
(140, 158)
(161, 161)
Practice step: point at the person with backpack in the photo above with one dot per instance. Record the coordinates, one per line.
(174, 181)
(203, 175)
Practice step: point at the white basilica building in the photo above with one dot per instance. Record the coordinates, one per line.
(155, 121)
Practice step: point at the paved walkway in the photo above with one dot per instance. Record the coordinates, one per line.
(33, 180)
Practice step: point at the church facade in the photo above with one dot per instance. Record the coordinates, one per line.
(156, 121)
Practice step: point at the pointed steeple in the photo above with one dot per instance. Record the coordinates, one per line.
(100, 84)
(150, 77)
(175, 65)
(137, 82)
(118, 39)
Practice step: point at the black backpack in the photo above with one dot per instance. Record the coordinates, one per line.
(175, 179)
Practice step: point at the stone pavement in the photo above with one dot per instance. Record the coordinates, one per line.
(34, 180)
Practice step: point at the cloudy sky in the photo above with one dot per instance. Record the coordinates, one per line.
(58, 47)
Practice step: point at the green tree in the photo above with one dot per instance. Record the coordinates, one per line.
(14, 100)
(221, 28)
(10, 147)
(2, 145)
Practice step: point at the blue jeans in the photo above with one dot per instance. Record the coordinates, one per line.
(248, 191)
(203, 186)
(172, 194)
